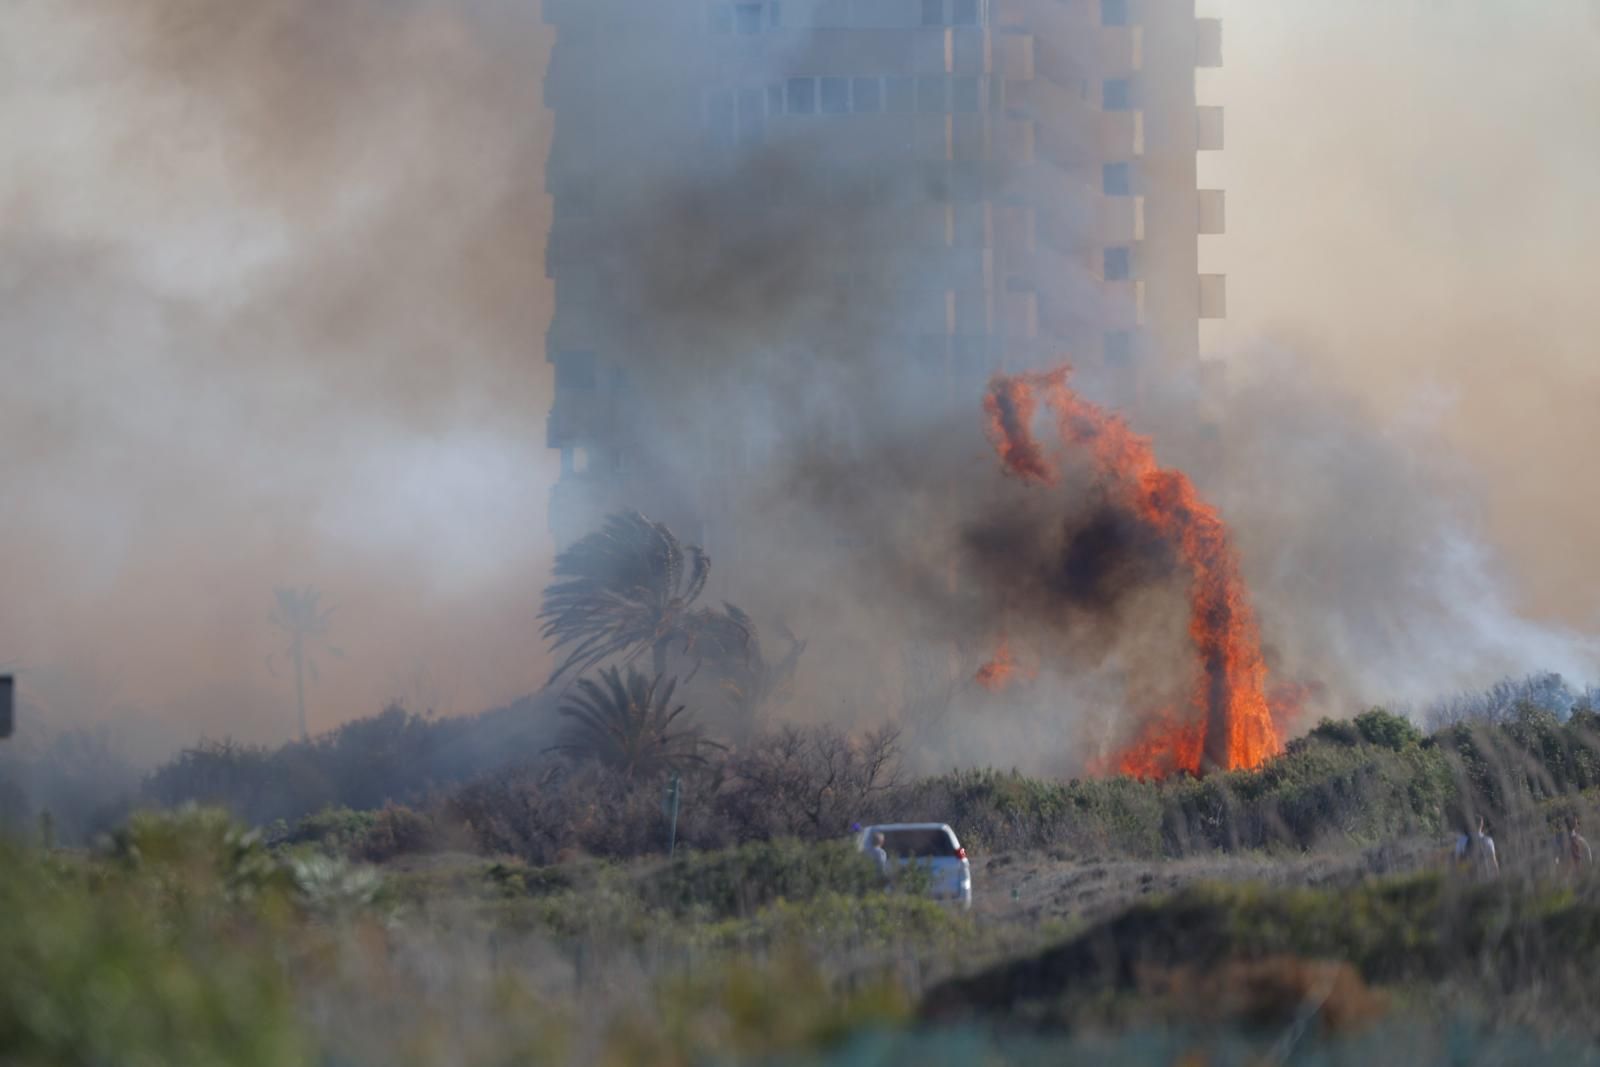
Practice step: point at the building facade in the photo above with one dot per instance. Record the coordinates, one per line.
(1016, 179)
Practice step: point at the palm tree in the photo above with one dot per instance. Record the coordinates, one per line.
(629, 586)
(300, 615)
(730, 641)
(630, 725)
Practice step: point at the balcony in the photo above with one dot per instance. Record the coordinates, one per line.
(573, 419)
(1208, 42)
(1208, 129)
(1121, 219)
(1213, 296)
(1212, 212)
(1121, 134)
(1121, 51)
(1124, 303)
(1013, 56)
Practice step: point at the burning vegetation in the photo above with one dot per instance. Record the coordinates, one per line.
(1226, 722)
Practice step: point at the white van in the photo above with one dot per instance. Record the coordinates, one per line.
(933, 845)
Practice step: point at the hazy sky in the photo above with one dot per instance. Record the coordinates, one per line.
(1414, 206)
(273, 304)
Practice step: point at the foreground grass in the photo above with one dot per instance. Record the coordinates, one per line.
(186, 940)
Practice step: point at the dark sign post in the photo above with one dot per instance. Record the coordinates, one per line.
(8, 716)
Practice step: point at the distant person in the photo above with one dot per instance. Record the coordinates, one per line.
(1475, 851)
(1572, 849)
(880, 855)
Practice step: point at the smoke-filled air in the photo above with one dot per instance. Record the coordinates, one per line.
(277, 309)
(799, 532)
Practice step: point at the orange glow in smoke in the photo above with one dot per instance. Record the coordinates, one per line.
(1228, 723)
(997, 673)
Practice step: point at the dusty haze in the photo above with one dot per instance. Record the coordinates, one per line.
(274, 310)
(274, 301)
(1414, 209)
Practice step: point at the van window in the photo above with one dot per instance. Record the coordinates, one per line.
(918, 844)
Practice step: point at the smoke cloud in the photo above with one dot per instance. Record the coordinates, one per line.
(274, 292)
(276, 296)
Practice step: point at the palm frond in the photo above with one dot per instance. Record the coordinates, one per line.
(625, 587)
(629, 724)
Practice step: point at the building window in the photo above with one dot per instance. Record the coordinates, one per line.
(720, 17)
(964, 12)
(835, 96)
(901, 95)
(933, 12)
(930, 95)
(775, 14)
(964, 95)
(747, 18)
(1119, 348)
(1119, 264)
(867, 94)
(1113, 12)
(1116, 94)
(802, 96)
(774, 99)
(1116, 179)
(574, 370)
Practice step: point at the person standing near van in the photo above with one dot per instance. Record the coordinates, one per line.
(1572, 850)
(1475, 851)
(880, 855)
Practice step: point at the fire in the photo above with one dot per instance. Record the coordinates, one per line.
(1229, 723)
(996, 674)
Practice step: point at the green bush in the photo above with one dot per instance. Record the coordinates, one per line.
(1386, 730)
(118, 966)
(743, 880)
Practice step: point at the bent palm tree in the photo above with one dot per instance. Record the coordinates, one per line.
(627, 587)
(731, 643)
(630, 725)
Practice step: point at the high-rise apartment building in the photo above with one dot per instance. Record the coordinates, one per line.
(1037, 159)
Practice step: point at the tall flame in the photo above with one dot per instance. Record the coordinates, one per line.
(1229, 723)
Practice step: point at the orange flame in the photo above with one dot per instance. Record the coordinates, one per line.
(996, 674)
(1229, 724)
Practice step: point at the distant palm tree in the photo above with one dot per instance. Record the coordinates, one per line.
(627, 587)
(300, 615)
(729, 641)
(630, 726)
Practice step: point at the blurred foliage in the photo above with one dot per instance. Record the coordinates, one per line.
(149, 957)
(185, 938)
(1419, 931)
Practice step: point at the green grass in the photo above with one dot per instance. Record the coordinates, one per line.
(185, 939)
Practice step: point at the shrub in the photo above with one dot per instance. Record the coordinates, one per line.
(1379, 727)
(119, 968)
(393, 757)
(1333, 731)
(812, 782)
(743, 880)
(372, 836)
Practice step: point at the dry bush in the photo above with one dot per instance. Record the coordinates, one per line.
(811, 783)
(551, 811)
